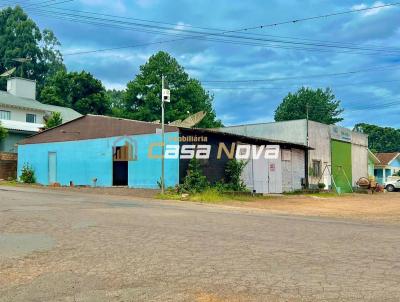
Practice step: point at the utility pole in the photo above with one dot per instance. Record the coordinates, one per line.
(165, 97)
(162, 136)
(308, 145)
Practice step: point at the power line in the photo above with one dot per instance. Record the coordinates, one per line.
(160, 29)
(204, 37)
(213, 29)
(198, 34)
(305, 76)
(294, 85)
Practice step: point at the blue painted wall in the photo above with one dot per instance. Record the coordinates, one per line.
(395, 163)
(82, 161)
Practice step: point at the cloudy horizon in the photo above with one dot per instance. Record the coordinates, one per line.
(368, 95)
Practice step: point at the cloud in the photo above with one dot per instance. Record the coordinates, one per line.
(212, 60)
(380, 8)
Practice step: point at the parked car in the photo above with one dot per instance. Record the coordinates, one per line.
(392, 185)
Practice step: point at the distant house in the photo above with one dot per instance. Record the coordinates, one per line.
(373, 161)
(22, 115)
(388, 166)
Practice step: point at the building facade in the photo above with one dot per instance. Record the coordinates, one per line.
(22, 115)
(339, 156)
(104, 151)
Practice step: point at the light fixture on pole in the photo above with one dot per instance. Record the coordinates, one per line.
(165, 97)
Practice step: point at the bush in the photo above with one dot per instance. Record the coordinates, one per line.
(233, 175)
(194, 181)
(54, 120)
(28, 174)
(321, 185)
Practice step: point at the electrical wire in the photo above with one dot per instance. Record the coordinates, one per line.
(198, 34)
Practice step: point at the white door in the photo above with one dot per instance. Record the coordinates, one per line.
(52, 167)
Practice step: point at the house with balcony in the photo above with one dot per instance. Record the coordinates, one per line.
(22, 115)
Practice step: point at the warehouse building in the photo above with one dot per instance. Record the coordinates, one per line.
(104, 151)
(339, 156)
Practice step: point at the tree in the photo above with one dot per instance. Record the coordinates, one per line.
(194, 181)
(142, 100)
(3, 133)
(77, 90)
(321, 104)
(116, 98)
(380, 139)
(53, 121)
(20, 37)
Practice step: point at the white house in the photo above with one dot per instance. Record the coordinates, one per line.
(22, 115)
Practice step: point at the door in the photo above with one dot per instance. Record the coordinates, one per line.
(52, 167)
(341, 165)
(120, 173)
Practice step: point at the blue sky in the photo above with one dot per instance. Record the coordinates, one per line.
(238, 103)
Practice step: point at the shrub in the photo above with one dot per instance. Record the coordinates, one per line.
(194, 181)
(54, 120)
(233, 175)
(321, 185)
(28, 174)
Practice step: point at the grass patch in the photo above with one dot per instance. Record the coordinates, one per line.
(11, 183)
(208, 196)
(327, 194)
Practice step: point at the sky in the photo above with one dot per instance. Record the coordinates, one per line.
(371, 95)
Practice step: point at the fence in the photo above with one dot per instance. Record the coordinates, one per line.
(8, 165)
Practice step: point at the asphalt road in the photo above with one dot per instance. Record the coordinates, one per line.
(57, 246)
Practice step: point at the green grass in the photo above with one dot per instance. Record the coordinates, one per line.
(12, 183)
(208, 196)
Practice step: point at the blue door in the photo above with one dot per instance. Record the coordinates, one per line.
(52, 167)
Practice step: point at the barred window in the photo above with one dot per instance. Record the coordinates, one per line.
(5, 115)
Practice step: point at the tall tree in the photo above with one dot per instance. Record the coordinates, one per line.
(142, 100)
(77, 90)
(380, 139)
(20, 37)
(320, 105)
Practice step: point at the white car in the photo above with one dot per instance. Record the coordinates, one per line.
(392, 185)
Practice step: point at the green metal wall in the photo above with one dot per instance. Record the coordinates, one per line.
(341, 165)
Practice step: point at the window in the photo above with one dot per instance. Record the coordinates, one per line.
(316, 166)
(30, 118)
(5, 115)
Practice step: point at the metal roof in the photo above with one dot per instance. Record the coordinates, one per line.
(246, 138)
(21, 126)
(9, 100)
(92, 127)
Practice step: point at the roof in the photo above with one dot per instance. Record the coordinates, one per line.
(98, 126)
(92, 127)
(21, 126)
(372, 156)
(387, 158)
(9, 100)
(245, 138)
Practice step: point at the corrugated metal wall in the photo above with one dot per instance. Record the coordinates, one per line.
(276, 176)
(342, 165)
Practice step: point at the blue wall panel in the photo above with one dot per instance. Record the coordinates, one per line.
(82, 161)
(395, 163)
